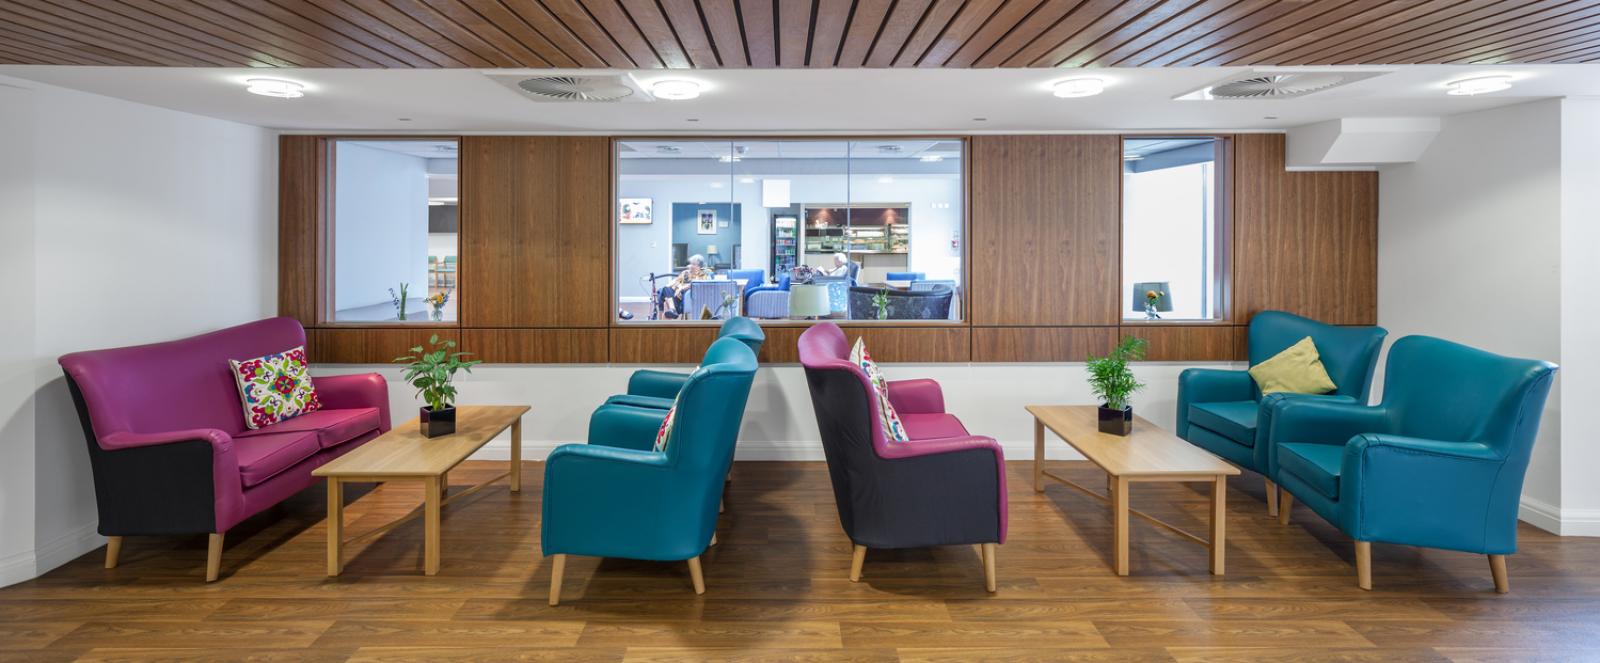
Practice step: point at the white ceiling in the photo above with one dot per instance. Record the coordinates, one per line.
(803, 101)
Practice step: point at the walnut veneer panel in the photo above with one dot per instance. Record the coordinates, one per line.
(1002, 344)
(1045, 230)
(661, 345)
(535, 233)
(1171, 342)
(371, 346)
(687, 345)
(538, 346)
(302, 162)
(1304, 242)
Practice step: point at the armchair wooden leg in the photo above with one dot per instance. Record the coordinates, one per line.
(213, 557)
(1364, 565)
(1497, 566)
(988, 566)
(113, 548)
(696, 576)
(1285, 505)
(558, 566)
(1272, 498)
(856, 560)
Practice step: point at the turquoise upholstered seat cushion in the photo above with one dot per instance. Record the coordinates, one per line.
(636, 400)
(1315, 464)
(1235, 420)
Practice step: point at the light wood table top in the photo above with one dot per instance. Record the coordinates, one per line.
(405, 452)
(1148, 452)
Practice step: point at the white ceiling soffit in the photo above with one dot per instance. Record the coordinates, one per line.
(1361, 141)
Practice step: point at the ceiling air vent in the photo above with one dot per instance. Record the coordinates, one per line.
(569, 88)
(1276, 85)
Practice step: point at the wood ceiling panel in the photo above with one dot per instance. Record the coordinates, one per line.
(704, 34)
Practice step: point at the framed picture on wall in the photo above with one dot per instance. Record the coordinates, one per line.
(708, 222)
(634, 211)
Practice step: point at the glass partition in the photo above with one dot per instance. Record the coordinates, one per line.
(1170, 239)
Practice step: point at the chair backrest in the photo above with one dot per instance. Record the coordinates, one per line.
(1439, 390)
(745, 330)
(1349, 354)
(932, 304)
(705, 428)
(754, 278)
(840, 398)
(712, 293)
(904, 276)
(175, 385)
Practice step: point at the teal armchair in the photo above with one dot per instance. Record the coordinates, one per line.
(617, 497)
(1224, 411)
(655, 390)
(1439, 463)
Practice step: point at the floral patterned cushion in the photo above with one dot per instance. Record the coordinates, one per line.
(896, 431)
(665, 430)
(275, 388)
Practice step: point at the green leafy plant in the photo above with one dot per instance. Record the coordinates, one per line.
(431, 369)
(880, 301)
(1110, 378)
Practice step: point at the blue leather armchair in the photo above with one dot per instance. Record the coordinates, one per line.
(1224, 411)
(753, 278)
(905, 276)
(1439, 463)
(655, 389)
(617, 497)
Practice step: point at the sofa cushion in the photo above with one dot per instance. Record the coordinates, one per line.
(1296, 370)
(1235, 420)
(332, 427)
(1316, 464)
(933, 426)
(262, 457)
(275, 387)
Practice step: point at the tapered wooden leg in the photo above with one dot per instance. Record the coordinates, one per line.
(516, 455)
(1038, 455)
(558, 566)
(1364, 564)
(1497, 566)
(1119, 520)
(856, 560)
(713, 538)
(113, 548)
(988, 566)
(335, 526)
(444, 484)
(1272, 498)
(1285, 506)
(1219, 525)
(213, 556)
(430, 526)
(696, 576)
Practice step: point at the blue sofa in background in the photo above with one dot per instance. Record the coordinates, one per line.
(1439, 463)
(655, 389)
(1224, 411)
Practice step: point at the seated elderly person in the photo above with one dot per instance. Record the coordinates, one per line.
(842, 266)
(670, 297)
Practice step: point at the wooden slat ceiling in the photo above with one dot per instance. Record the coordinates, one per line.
(648, 34)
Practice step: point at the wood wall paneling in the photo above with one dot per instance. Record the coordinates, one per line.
(1303, 242)
(372, 345)
(538, 346)
(1045, 230)
(1200, 342)
(1018, 344)
(661, 345)
(302, 179)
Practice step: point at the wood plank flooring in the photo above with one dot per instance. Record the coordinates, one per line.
(777, 589)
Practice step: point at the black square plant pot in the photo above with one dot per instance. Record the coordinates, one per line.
(1116, 422)
(440, 422)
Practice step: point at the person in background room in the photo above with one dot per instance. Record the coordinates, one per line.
(670, 296)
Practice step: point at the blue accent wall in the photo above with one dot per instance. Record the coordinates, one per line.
(685, 217)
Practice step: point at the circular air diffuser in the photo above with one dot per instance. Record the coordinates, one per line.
(1276, 86)
(575, 88)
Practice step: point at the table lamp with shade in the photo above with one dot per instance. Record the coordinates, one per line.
(809, 301)
(711, 254)
(1162, 303)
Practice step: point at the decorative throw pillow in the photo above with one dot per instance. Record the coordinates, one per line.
(665, 430)
(275, 388)
(880, 389)
(1297, 370)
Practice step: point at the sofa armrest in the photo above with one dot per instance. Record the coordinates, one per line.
(1209, 385)
(659, 384)
(1324, 421)
(610, 502)
(219, 441)
(1455, 495)
(944, 458)
(169, 482)
(919, 396)
(625, 427)
(767, 304)
(362, 390)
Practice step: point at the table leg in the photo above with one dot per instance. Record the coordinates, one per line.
(430, 544)
(1119, 520)
(1219, 524)
(335, 526)
(516, 455)
(1038, 455)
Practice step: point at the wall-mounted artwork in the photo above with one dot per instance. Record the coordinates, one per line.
(708, 222)
(634, 211)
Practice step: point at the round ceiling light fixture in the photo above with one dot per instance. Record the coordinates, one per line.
(1073, 88)
(675, 89)
(275, 87)
(1479, 85)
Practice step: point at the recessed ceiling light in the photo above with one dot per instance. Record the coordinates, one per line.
(1479, 85)
(931, 158)
(1078, 87)
(747, 180)
(693, 119)
(675, 89)
(403, 119)
(275, 87)
(716, 185)
(980, 119)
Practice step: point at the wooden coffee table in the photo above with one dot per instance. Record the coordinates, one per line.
(1148, 454)
(404, 454)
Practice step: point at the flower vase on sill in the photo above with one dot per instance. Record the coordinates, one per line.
(1152, 302)
(436, 304)
(399, 300)
(431, 371)
(1112, 382)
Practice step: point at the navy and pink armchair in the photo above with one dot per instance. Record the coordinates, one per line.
(943, 487)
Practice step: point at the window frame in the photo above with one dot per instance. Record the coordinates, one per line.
(1222, 235)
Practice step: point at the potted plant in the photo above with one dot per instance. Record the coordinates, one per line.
(880, 303)
(1113, 383)
(430, 370)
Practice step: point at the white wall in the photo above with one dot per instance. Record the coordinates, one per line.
(125, 224)
(381, 239)
(1580, 318)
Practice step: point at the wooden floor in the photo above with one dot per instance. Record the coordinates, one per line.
(777, 590)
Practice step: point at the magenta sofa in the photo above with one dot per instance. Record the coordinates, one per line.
(167, 438)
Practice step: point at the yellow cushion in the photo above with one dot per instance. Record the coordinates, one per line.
(1297, 370)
